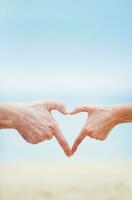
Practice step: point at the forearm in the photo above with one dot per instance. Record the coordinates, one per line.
(123, 113)
(6, 116)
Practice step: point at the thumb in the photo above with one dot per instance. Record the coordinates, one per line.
(79, 109)
(57, 106)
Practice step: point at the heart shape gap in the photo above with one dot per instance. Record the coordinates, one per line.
(70, 125)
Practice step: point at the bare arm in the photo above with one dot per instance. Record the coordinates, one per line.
(124, 113)
(6, 121)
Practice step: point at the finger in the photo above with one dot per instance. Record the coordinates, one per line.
(42, 134)
(48, 133)
(49, 138)
(82, 109)
(62, 141)
(36, 137)
(57, 106)
(77, 142)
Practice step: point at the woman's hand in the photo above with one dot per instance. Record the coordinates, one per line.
(100, 121)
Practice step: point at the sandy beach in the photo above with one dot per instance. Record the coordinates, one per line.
(93, 180)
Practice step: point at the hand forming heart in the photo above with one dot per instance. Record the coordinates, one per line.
(35, 122)
(99, 123)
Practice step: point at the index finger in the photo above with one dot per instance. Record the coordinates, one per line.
(62, 141)
(77, 142)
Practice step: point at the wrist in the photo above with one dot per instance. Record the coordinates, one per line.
(123, 113)
(6, 116)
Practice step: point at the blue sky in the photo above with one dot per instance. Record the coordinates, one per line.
(56, 39)
(73, 51)
(65, 32)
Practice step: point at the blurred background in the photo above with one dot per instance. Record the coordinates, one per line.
(75, 52)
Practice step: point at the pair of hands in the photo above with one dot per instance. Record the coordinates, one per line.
(35, 122)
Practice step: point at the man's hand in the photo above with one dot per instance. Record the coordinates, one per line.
(34, 121)
(100, 122)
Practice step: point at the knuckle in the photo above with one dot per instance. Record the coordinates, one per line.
(42, 138)
(35, 142)
(94, 135)
(32, 141)
(85, 130)
(102, 138)
(53, 126)
(48, 134)
(88, 131)
(49, 138)
(28, 140)
(96, 138)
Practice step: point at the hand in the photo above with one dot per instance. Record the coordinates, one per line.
(35, 123)
(100, 122)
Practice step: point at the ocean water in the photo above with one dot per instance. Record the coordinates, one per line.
(117, 146)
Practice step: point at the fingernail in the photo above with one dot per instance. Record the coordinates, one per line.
(69, 154)
(68, 151)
